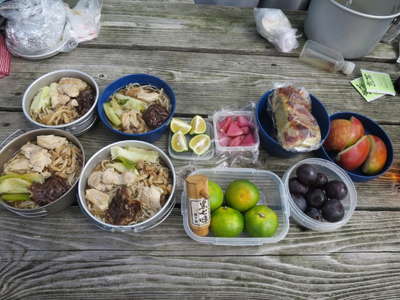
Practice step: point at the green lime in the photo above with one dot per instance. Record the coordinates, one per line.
(261, 221)
(226, 222)
(242, 195)
(215, 195)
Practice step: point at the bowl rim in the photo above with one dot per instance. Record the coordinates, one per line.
(71, 138)
(389, 147)
(273, 140)
(106, 122)
(25, 99)
(82, 186)
(297, 213)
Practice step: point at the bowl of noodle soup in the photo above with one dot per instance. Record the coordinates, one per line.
(63, 99)
(137, 106)
(39, 171)
(127, 186)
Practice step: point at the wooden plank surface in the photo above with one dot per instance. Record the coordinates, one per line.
(212, 57)
(367, 231)
(211, 81)
(182, 26)
(101, 275)
(389, 190)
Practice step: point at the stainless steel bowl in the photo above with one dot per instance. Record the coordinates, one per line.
(77, 127)
(103, 154)
(13, 144)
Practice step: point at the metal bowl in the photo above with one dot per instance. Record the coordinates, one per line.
(13, 144)
(77, 127)
(103, 154)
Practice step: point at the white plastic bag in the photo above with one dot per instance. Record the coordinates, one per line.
(273, 25)
(85, 20)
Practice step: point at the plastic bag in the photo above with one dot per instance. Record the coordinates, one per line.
(39, 27)
(34, 25)
(273, 25)
(296, 128)
(85, 20)
(236, 135)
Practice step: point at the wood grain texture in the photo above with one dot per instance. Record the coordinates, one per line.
(367, 232)
(387, 189)
(206, 82)
(183, 26)
(102, 275)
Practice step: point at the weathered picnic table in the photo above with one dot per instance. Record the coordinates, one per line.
(212, 57)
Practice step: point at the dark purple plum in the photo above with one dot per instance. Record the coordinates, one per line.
(315, 214)
(300, 201)
(316, 198)
(321, 180)
(336, 189)
(333, 210)
(307, 174)
(296, 187)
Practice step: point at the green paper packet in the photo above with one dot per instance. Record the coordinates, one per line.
(378, 82)
(360, 87)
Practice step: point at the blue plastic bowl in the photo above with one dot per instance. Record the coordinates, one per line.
(152, 135)
(267, 130)
(371, 127)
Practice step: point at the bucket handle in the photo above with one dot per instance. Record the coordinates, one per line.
(12, 136)
(392, 32)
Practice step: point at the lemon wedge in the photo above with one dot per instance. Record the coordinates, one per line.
(198, 124)
(200, 144)
(179, 125)
(178, 142)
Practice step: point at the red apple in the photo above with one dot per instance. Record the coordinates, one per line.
(344, 133)
(377, 156)
(340, 135)
(354, 156)
(357, 129)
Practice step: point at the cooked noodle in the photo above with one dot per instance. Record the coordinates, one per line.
(132, 121)
(65, 162)
(154, 175)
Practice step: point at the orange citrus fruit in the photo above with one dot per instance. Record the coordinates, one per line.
(242, 195)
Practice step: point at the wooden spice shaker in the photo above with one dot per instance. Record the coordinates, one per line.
(198, 203)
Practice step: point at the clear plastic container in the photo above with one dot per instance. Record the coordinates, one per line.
(219, 116)
(325, 58)
(190, 155)
(333, 172)
(272, 194)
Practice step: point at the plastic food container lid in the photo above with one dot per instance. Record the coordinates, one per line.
(272, 194)
(333, 172)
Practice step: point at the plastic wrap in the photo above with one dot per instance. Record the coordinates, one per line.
(85, 20)
(296, 128)
(41, 28)
(34, 25)
(236, 135)
(273, 25)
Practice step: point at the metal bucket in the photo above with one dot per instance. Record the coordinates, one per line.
(238, 3)
(353, 30)
(13, 144)
(103, 154)
(285, 4)
(77, 127)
